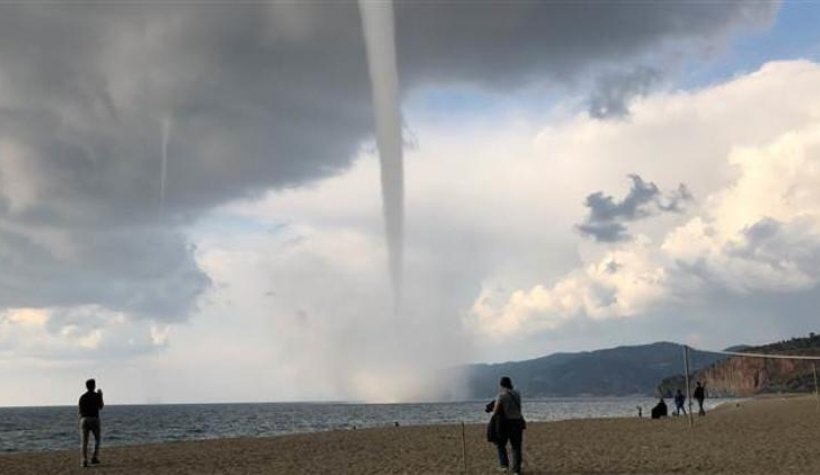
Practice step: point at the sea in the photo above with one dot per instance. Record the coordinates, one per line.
(34, 429)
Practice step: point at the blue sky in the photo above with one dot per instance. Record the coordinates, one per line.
(792, 35)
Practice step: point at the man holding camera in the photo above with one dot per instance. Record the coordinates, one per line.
(90, 405)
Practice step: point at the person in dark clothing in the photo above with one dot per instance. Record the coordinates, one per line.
(679, 400)
(700, 395)
(660, 410)
(90, 405)
(511, 425)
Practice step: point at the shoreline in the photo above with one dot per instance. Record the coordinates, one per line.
(767, 435)
(122, 434)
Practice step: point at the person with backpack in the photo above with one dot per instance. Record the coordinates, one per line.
(510, 425)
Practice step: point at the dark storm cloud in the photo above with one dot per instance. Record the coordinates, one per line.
(607, 216)
(792, 246)
(143, 271)
(605, 231)
(505, 44)
(675, 201)
(260, 96)
(612, 93)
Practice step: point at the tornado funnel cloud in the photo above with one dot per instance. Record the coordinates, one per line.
(378, 26)
(166, 137)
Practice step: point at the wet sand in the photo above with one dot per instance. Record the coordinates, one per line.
(766, 436)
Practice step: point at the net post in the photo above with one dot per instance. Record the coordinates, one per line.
(688, 389)
(463, 447)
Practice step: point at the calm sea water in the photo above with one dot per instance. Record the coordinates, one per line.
(53, 428)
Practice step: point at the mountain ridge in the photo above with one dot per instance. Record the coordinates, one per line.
(617, 371)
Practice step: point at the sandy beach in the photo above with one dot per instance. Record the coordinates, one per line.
(764, 436)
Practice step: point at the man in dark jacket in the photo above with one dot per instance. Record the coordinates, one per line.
(679, 400)
(700, 395)
(90, 405)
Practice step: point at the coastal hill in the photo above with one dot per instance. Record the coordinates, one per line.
(745, 376)
(621, 371)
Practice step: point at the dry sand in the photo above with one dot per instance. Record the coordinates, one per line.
(767, 436)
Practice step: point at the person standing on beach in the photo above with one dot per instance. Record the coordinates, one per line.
(511, 425)
(700, 395)
(90, 405)
(679, 400)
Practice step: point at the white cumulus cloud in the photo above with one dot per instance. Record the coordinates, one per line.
(751, 150)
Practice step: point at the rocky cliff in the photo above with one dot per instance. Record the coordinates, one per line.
(745, 376)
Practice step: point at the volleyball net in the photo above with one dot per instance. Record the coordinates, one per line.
(744, 373)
